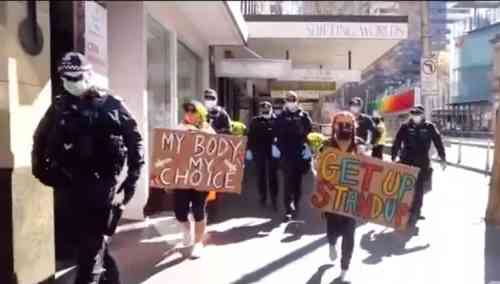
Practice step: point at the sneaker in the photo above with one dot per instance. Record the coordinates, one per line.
(343, 276)
(333, 253)
(287, 218)
(197, 251)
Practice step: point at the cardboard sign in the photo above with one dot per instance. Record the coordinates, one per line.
(196, 160)
(365, 188)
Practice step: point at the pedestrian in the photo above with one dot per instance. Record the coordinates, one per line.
(191, 200)
(261, 141)
(412, 145)
(80, 148)
(292, 127)
(343, 139)
(378, 147)
(366, 132)
(217, 116)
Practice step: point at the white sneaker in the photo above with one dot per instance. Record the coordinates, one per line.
(197, 250)
(333, 253)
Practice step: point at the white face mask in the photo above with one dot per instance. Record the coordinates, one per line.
(355, 109)
(417, 118)
(77, 88)
(210, 104)
(291, 106)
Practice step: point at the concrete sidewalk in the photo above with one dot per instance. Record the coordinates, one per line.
(247, 244)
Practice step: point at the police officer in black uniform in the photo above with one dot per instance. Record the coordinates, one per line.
(217, 116)
(261, 139)
(292, 127)
(80, 148)
(412, 144)
(366, 132)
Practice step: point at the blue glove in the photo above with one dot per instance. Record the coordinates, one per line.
(249, 156)
(306, 153)
(276, 152)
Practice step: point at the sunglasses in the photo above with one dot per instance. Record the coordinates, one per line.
(73, 79)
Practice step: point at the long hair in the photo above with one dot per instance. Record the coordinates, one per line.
(345, 117)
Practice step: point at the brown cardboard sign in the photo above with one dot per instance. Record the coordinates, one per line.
(196, 160)
(365, 188)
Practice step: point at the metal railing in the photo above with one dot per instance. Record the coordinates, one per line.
(460, 142)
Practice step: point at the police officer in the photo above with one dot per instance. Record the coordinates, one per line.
(261, 139)
(292, 127)
(80, 147)
(378, 147)
(412, 144)
(217, 116)
(366, 131)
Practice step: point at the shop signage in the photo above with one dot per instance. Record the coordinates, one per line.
(364, 188)
(253, 68)
(354, 30)
(429, 75)
(325, 75)
(196, 160)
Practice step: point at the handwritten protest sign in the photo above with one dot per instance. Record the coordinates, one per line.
(365, 188)
(196, 160)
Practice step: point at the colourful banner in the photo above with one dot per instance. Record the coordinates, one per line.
(365, 188)
(395, 103)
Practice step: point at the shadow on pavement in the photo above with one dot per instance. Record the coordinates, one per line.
(318, 275)
(241, 233)
(492, 254)
(386, 245)
(256, 276)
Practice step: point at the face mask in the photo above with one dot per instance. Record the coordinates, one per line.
(355, 109)
(417, 118)
(210, 104)
(77, 88)
(291, 106)
(344, 132)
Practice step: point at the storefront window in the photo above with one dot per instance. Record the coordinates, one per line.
(188, 75)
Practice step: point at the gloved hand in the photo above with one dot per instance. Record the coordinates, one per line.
(306, 153)
(249, 155)
(276, 152)
(443, 164)
(128, 187)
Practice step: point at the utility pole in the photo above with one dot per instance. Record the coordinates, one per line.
(426, 46)
(493, 209)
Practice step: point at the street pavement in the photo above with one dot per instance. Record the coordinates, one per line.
(248, 244)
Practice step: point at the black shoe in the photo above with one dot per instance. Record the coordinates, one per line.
(295, 215)
(287, 218)
(421, 217)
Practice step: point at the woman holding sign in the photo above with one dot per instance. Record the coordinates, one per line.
(343, 139)
(195, 119)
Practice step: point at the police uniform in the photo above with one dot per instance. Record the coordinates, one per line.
(219, 120)
(412, 144)
(80, 148)
(261, 138)
(292, 129)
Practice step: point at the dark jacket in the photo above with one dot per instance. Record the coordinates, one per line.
(292, 129)
(219, 120)
(262, 135)
(87, 141)
(413, 142)
(365, 124)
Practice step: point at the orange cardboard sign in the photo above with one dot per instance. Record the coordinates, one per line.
(196, 160)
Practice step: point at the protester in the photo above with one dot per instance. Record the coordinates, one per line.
(261, 140)
(190, 200)
(80, 148)
(412, 144)
(292, 127)
(366, 132)
(378, 148)
(343, 139)
(217, 116)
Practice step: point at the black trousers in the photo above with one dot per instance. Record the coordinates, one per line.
(341, 226)
(267, 176)
(418, 200)
(293, 172)
(186, 200)
(378, 151)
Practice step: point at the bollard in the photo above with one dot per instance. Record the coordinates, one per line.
(487, 157)
(459, 161)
